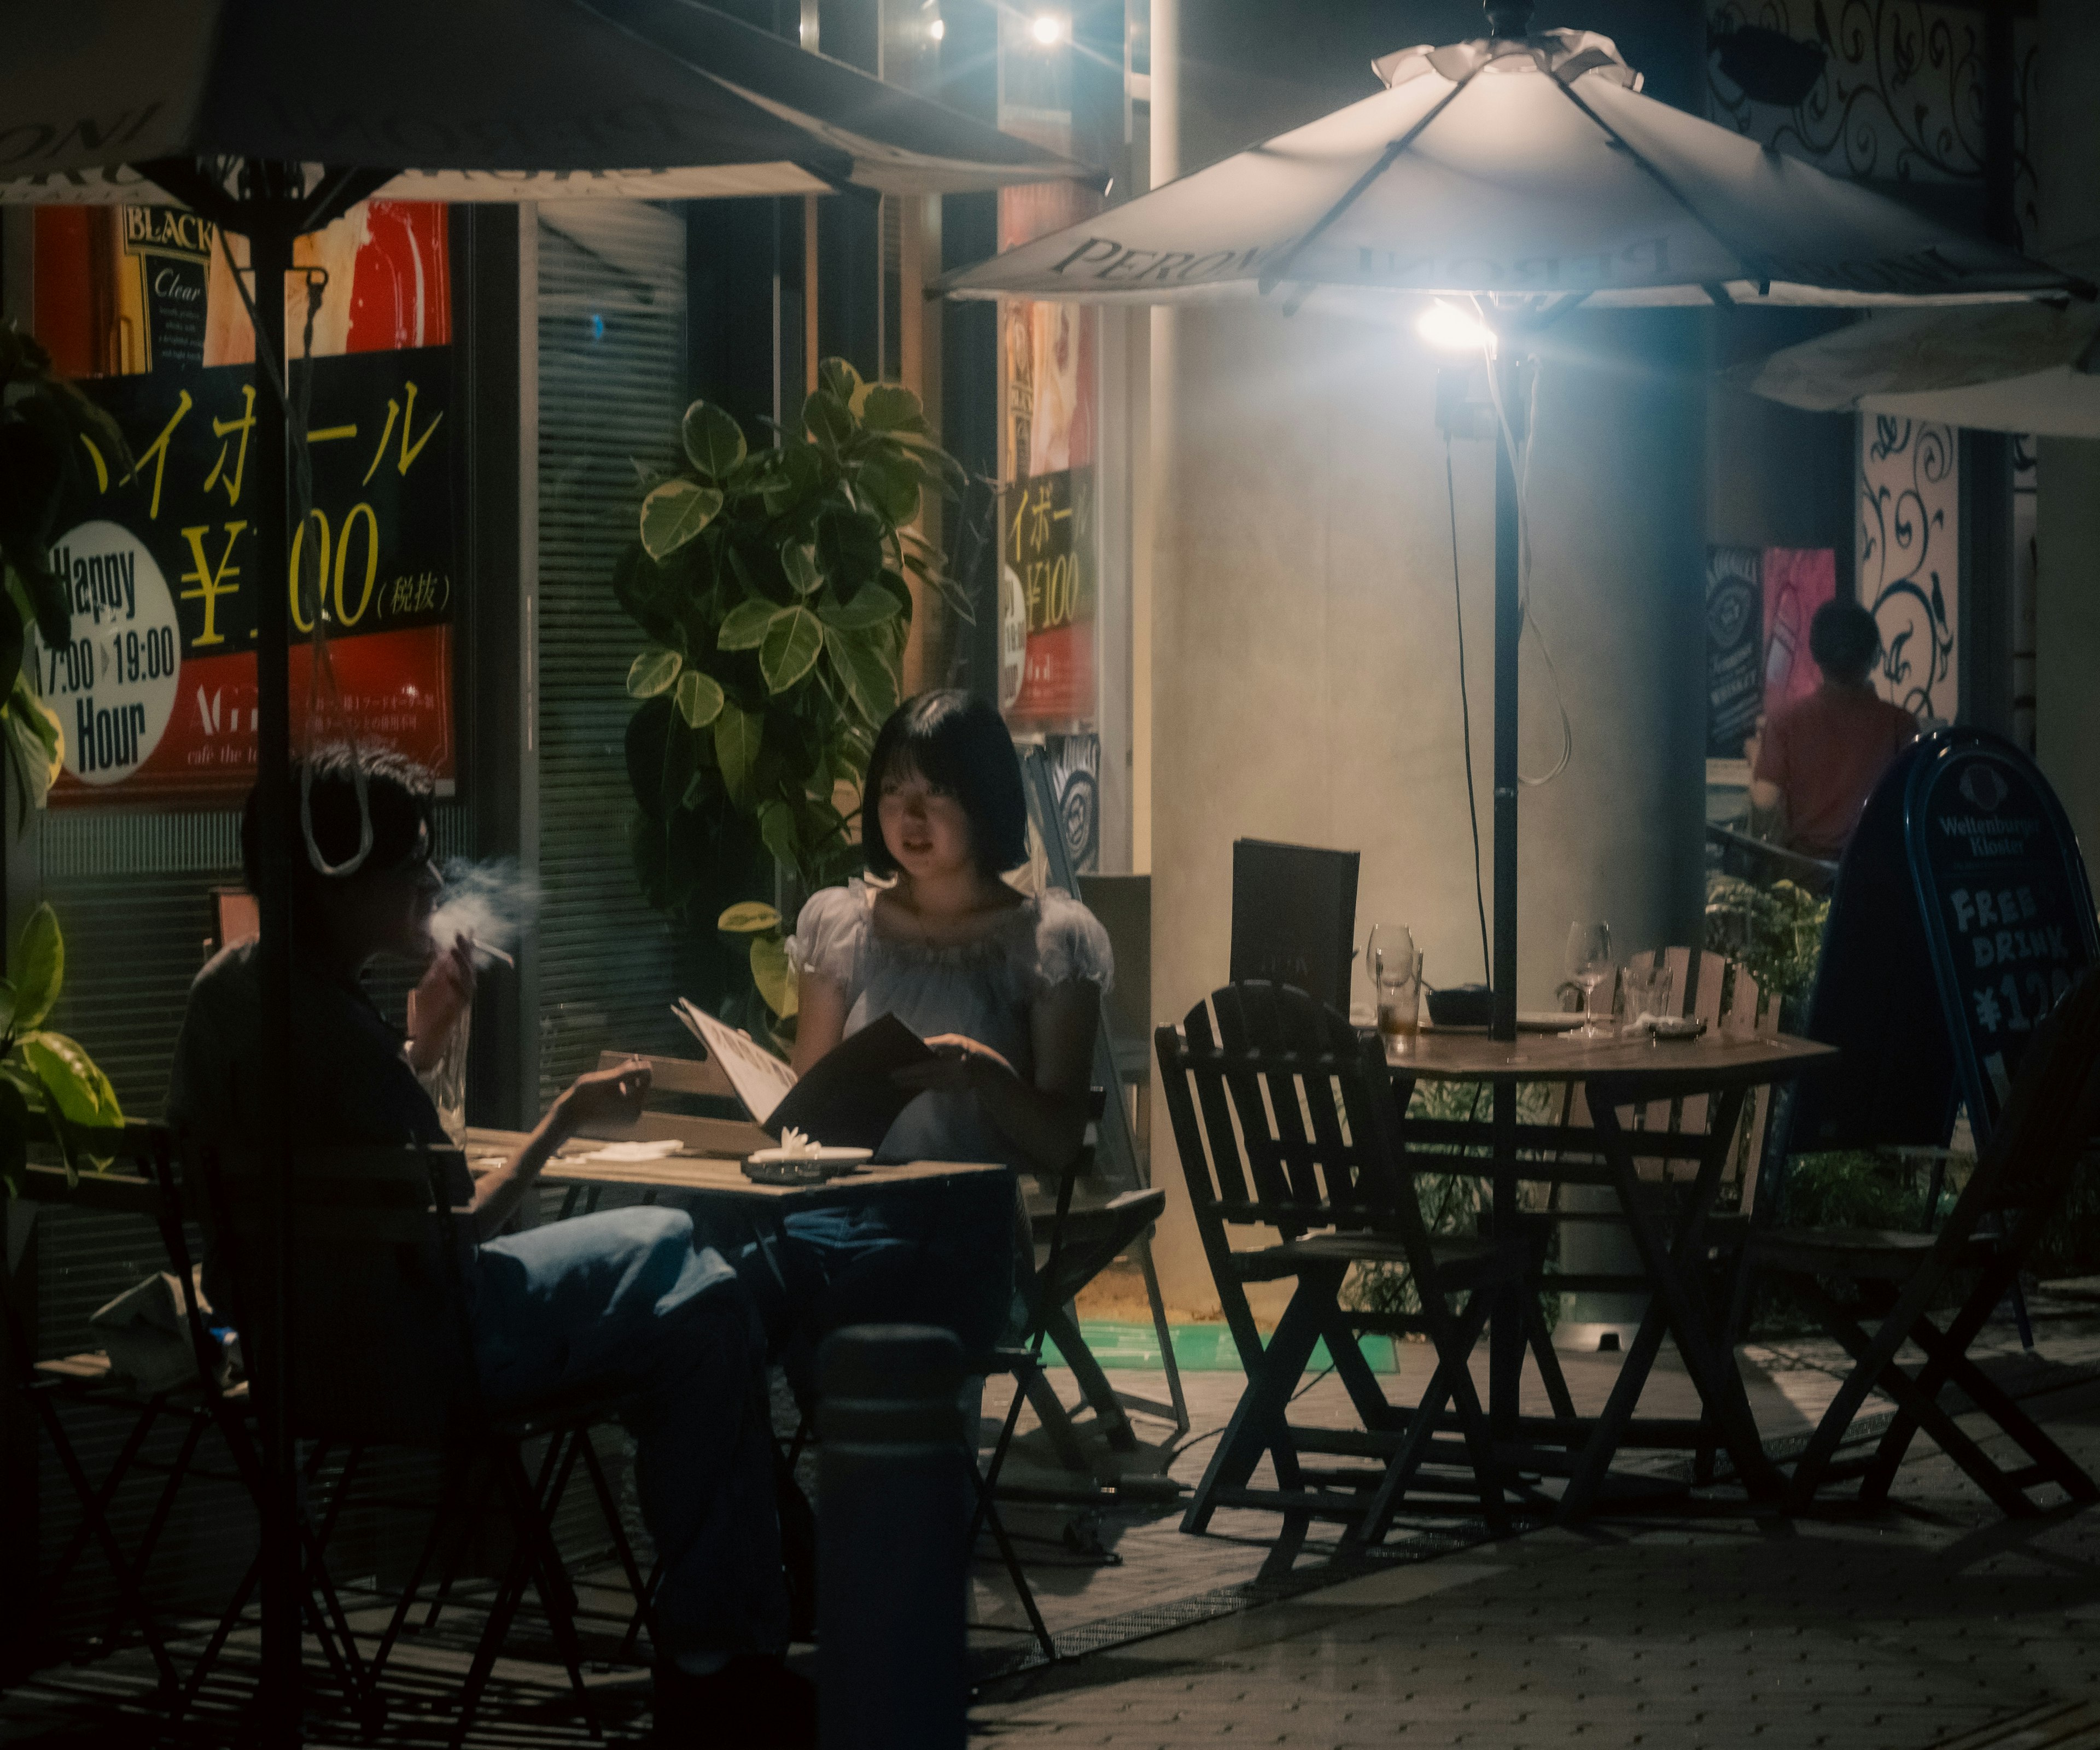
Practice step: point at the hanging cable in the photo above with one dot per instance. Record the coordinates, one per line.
(1465, 707)
(321, 689)
(1521, 466)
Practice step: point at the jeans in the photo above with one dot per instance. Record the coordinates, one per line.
(622, 1297)
(950, 1264)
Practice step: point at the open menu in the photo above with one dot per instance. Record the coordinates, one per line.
(847, 1100)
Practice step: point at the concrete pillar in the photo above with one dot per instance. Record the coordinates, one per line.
(2066, 141)
(1304, 661)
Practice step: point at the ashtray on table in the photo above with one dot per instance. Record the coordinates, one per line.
(803, 1167)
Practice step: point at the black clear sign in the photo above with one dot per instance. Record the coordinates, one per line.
(2007, 908)
(1961, 913)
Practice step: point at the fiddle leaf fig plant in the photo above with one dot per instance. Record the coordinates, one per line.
(773, 587)
(41, 1071)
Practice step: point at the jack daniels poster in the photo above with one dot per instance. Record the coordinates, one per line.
(157, 691)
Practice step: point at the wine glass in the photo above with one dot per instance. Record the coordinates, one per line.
(1396, 971)
(1589, 963)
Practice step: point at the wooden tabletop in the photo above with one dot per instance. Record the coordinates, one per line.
(715, 1177)
(1710, 1062)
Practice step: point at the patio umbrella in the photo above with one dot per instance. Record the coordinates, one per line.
(2023, 367)
(1525, 171)
(471, 100)
(271, 121)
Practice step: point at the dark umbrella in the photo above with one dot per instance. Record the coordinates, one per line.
(271, 121)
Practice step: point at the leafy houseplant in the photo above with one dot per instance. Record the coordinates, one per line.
(773, 586)
(47, 429)
(41, 1071)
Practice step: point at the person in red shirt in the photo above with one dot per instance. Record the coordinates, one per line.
(1820, 756)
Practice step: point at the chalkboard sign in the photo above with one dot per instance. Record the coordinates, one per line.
(1961, 873)
(2007, 908)
(1295, 917)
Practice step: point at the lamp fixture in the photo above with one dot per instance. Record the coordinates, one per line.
(1450, 327)
(937, 30)
(1047, 28)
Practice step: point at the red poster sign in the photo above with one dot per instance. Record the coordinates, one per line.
(155, 691)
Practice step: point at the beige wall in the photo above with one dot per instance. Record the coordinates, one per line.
(2066, 144)
(1305, 668)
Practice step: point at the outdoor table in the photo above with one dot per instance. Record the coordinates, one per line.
(1616, 1073)
(712, 1179)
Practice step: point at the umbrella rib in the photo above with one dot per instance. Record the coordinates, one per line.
(1748, 259)
(1275, 276)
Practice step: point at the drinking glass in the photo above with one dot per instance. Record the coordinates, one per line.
(446, 1081)
(1589, 963)
(1648, 990)
(1396, 971)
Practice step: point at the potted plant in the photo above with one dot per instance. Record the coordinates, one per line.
(774, 588)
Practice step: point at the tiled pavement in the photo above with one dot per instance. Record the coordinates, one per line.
(1702, 1624)
(1696, 1624)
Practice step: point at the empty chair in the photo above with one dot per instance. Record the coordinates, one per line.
(1284, 1120)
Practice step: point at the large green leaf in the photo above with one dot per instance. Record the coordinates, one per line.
(773, 975)
(889, 406)
(890, 482)
(836, 378)
(850, 548)
(793, 643)
(870, 682)
(744, 626)
(649, 597)
(871, 607)
(39, 968)
(826, 421)
(776, 826)
(738, 735)
(653, 671)
(714, 441)
(748, 917)
(799, 558)
(699, 699)
(72, 1080)
(675, 513)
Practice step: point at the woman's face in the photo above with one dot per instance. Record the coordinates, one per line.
(924, 825)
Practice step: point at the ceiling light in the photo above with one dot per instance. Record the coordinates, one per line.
(1047, 28)
(937, 30)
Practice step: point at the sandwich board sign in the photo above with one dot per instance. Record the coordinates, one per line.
(1963, 913)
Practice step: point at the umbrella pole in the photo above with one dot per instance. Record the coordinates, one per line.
(270, 248)
(1506, 1338)
(1509, 629)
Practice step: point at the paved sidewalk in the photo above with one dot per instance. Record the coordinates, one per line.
(1706, 1625)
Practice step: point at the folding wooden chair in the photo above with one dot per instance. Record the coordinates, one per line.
(381, 1353)
(2048, 1124)
(48, 1384)
(1284, 1120)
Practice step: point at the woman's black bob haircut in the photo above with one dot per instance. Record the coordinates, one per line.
(961, 744)
(397, 791)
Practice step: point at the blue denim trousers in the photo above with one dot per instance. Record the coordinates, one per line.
(623, 1297)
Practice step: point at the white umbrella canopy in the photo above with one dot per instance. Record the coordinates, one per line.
(2025, 368)
(469, 100)
(1515, 166)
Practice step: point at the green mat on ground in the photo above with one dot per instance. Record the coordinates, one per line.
(1198, 1348)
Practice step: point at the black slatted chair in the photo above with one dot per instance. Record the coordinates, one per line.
(1283, 1118)
(382, 1354)
(131, 1185)
(1876, 1292)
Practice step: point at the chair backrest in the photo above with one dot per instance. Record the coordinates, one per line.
(380, 1345)
(236, 914)
(2049, 1121)
(1724, 994)
(1282, 1116)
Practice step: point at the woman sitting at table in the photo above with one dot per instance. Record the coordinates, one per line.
(1005, 987)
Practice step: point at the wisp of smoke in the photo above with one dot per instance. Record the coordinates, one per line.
(488, 903)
